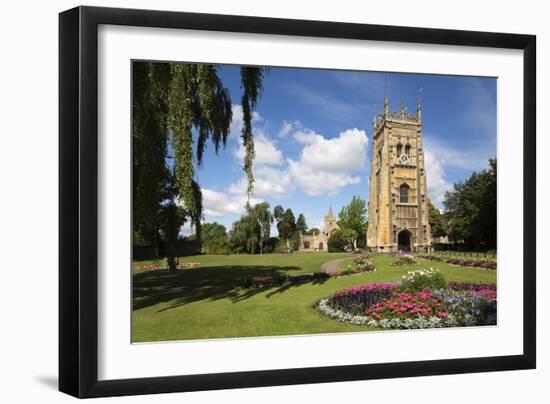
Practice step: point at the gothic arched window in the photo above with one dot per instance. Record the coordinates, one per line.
(404, 193)
(408, 150)
(399, 149)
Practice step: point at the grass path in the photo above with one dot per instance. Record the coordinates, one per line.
(207, 302)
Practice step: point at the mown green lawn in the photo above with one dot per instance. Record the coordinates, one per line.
(206, 302)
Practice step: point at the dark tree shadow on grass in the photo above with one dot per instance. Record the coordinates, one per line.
(203, 283)
(287, 286)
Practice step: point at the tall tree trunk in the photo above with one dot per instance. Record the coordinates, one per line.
(155, 243)
(261, 243)
(288, 244)
(172, 238)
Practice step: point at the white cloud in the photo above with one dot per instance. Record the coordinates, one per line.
(288, 127)
(437, 184)
(237, 122)
(269, 183)
(345, 153)
(222, 204)
(326, 165)
(186, 229)
(266, 152)
(472, 159)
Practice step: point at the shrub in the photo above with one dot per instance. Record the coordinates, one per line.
(282, 249)
(423, 279)
(336, 242)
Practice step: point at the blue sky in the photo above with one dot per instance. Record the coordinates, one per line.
(313, 133)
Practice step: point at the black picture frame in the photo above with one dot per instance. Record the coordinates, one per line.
(78, 201)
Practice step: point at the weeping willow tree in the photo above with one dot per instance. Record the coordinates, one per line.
(188, 106)
(149, 146)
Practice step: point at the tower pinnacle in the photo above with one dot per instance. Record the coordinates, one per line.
(418, 110)
(386, 103)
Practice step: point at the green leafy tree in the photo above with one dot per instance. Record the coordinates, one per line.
(472, 208)
(295, 241)
(245, 234)
(278, 212)
(336, 242)
(271, 244)
(436, 223)
(214, 238)
(264, 218)
(301, 225)
(149, 145)
(313, 231)
(287, 227)
(350, 236)
(353, 216)
(172, 217)
(251, 81)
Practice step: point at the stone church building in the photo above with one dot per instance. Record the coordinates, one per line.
(319, 242)
(398, 199)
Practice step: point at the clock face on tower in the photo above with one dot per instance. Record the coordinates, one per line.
(404, 159)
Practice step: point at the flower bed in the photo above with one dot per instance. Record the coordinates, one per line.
(279, 280)
(462, 262)
(400, 306)
(404, 260)
(358, 265)
(488, 291)
(158, 266)
(356, 299)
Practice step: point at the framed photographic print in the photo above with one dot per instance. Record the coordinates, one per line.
(251, 201)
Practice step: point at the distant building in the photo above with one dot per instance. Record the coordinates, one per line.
(319, 242)
(398, 197)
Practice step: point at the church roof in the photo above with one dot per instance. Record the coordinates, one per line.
(330, 214)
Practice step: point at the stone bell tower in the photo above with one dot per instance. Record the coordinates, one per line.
(398, 199)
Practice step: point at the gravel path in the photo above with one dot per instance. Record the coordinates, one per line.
(331, 267)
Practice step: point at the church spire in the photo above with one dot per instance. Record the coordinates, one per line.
(330, 214)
